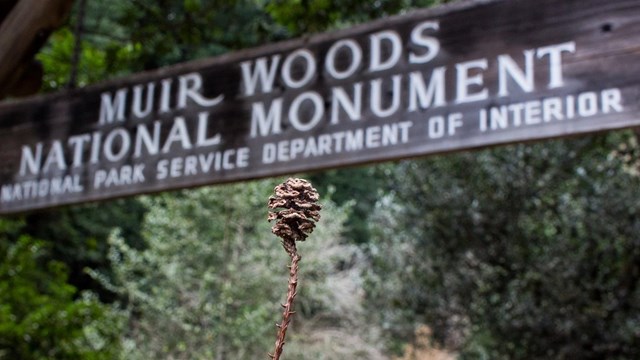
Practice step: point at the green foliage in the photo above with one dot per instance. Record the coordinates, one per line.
(209, 283)
(77, 236)
(308, 16)
(123, 37)
(96, 63)
(529, 251)
(40, 316)
(331, 320)
(177, 31)
(361, 187)
(195, 284)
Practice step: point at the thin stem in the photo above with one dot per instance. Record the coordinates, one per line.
(295, 208)
(288, 306)
(77, 48)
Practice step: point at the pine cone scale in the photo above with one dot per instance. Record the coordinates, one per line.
(295, 210)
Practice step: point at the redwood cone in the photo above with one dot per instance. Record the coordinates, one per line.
(295, 209)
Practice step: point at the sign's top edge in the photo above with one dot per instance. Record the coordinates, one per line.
(280, 46)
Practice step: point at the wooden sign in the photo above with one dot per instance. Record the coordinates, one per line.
(463, 76)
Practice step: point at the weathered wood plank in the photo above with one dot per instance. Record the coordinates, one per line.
(464, 76)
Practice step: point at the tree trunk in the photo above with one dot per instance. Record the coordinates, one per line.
(23, 31)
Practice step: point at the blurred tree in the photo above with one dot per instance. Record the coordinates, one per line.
(361, 187)
(209, 284)
(123, 37)
(41, 315)
(77, 236)
(309, 16)
(529, 251)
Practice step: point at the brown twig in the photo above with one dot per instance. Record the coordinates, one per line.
(288, 307)
(299, 211)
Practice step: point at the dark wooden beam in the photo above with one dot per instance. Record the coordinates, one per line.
(22, 32)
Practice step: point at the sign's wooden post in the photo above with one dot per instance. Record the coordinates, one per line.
(463, 76)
